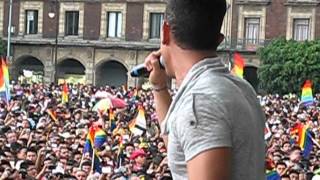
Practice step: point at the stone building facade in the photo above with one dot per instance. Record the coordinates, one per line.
(256, 22)
(99, 41)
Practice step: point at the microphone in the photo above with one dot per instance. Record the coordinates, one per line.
(141, 71)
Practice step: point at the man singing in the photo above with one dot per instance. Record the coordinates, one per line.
(214, 125)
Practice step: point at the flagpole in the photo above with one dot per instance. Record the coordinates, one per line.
(82, 157)
(9, 30)
(92, 160)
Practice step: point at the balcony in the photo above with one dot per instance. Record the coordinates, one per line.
(302, 2)
(249, 45)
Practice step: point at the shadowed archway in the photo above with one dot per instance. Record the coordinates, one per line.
(71, 69)
(250, 74)
(111, 73)
(28, 69)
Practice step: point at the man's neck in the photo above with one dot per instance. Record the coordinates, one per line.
(184, 60)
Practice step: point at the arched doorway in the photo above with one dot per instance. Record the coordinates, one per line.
(250, 74)
(70, 70)
(111, 73)
(28, 69)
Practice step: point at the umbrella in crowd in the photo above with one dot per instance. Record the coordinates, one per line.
(112, 102)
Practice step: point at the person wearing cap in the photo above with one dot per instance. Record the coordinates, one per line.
(139, 158)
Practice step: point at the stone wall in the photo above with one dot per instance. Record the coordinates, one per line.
(90, 57)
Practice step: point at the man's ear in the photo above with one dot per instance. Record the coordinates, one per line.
(165, 33)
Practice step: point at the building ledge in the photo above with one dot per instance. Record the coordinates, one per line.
(302, 3)
(115, 1)
(87, 43)
(253, 2)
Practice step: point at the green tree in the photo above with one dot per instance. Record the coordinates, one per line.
(285, 65)
(2, 47)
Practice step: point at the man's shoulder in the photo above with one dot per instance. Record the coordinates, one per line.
(213, 83)
(222, 84)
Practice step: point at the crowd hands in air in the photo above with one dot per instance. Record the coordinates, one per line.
(36, 145)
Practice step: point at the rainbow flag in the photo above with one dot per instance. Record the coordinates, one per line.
(273, 175)
(89, 147)
(4, 80)
(138, 125)
(238, 65)
(65, 92)
(306, 96)
(100, 137)
(304, 139)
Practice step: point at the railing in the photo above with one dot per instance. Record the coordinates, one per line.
(250, 44)
(242, 44)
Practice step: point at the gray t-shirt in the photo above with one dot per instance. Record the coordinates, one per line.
(213, 109)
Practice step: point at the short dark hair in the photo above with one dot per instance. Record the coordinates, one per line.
(295, 148)
(285, 176)
(31, 149)
(281, 164)
(196, 24)
(86, 163)
(293, 172)
(286, 142)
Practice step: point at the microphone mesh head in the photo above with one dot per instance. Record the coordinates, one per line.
(161, 62)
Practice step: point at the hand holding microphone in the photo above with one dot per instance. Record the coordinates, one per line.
(154, 67)
(142, 71)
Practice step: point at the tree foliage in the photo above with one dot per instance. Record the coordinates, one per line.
(285, 65)
(2, 47)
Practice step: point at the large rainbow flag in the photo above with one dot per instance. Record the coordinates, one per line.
(238, 66)
(94, 136)
(306, 96)
(100, 137)
(4, 80)
(304, 140)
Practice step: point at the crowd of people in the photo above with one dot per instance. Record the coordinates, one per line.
(34, 145)
(283, 153)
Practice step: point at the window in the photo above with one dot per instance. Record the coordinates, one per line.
(301, 29)
(72, 23)
(155, 25)
(114, 24)
(252, 29)
(31, 23)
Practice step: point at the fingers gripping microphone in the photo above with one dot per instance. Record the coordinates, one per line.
(141, 71)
